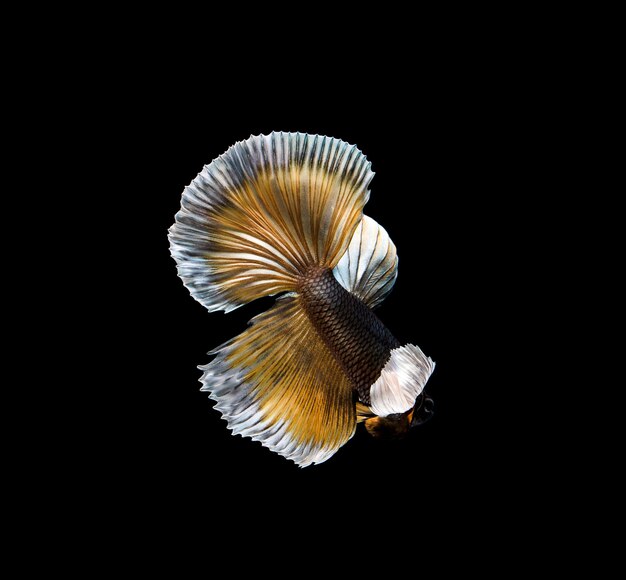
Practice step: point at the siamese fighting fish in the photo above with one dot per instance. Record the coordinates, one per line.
(282, 214)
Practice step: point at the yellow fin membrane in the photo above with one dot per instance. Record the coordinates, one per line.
(252, 224)
(280, 385)
(263, 212)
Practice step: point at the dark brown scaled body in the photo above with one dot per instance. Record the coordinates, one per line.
(355, 335)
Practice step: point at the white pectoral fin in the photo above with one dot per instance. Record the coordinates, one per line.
(402, 379)
(369, 267)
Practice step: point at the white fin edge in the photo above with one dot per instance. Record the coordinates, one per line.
(261, 214)
(236, 402)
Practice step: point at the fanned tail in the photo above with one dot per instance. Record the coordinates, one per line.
(252, 224)
(255, 219)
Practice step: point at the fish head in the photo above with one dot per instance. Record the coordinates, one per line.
(422, 411)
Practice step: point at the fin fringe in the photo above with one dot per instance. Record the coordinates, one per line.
(256, 218)
(279, 384)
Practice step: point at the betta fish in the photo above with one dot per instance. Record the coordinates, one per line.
(282, 214)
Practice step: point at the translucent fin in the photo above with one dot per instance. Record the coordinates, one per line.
(369, 267)
(263, 212)
(363, 412)
(278, 384)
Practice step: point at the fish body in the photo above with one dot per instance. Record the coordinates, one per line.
(283, 214)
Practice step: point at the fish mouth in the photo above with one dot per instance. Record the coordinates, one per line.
(423, 410)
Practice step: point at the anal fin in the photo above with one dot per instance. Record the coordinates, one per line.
(279, 384)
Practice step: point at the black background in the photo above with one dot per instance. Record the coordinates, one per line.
(467, 136)
(450, 186)
(435, 185)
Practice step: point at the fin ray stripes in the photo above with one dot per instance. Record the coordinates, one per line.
(285, 201)
(369, 266)
(280, 385)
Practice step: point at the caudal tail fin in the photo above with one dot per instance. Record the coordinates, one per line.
(260, 215)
